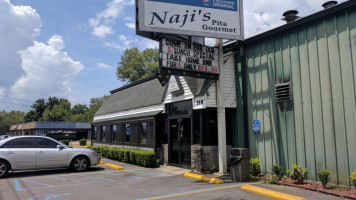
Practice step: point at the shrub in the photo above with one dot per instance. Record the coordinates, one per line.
(141, 158)
(271, 179)
(255, 166)
(324, 177)
(82, 142)
(66, 142)
(298, 173)
(277, 170)
(353, 178)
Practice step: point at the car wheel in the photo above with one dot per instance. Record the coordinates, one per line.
(4, 168)
(80, 163)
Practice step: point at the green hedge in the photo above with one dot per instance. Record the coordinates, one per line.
(66, 142)
(82, 142)
(141, 158)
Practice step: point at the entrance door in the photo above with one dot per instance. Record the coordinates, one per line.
(180, 141)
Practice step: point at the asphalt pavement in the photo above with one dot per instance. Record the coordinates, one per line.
(132, 183)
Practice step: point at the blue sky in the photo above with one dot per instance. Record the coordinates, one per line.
(70, 48)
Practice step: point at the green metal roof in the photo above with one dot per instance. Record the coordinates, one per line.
(148, 93)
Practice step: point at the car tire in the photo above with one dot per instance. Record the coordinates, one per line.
(80, 163)
(4, 168)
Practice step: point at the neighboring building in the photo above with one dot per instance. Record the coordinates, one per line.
(56, 130)
(299, 82)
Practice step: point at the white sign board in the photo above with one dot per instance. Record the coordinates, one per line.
(199, 102)
(186, 56)
(207, 18)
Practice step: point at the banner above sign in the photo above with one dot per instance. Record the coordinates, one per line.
(206, 18)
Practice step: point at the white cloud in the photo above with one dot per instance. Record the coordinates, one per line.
(47, 69)
(103, 65)
(19, 25)
(124, 43)
(102, 31)
(106, 18)
(131, 25)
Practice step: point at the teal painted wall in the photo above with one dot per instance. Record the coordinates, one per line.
(317, 129)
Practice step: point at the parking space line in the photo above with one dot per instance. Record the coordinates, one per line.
(192, 192)
(17, 185)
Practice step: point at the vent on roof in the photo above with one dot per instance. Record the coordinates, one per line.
(283, 92)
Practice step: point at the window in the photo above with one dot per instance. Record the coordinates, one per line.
(146, 132)
(20, 143)
(103, 133)
(114, 132)
(45, 143)
(127, 132)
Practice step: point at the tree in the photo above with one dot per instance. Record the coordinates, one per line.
(136, 65)
(79, 109)
(95, 104)
(38, 108)
(10, 118)
(60, 112)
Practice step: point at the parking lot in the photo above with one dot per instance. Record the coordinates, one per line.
(102, 183)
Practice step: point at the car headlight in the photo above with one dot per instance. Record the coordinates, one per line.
(95, 153)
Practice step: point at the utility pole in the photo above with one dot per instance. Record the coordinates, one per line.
(221, 113)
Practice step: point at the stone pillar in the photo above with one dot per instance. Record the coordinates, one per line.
(165, 154)
(196, 157)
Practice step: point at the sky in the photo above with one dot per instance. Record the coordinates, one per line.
(70, 48)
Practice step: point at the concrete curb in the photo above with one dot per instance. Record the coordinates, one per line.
(204, 178)
(270, 193)
(114, 166)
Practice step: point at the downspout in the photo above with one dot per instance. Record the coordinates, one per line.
(244, 94)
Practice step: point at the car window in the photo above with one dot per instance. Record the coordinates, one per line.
(45, 143)
(19, 143)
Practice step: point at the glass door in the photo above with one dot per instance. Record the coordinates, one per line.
(180, 141)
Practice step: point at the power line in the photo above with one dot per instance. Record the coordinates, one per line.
(15, 104)
(15, 98)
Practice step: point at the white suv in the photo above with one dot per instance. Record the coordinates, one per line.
(40, 152)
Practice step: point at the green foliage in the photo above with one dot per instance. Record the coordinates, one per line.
(141, 158)
(271, 179)
(353, 178)
(59, 112)
(277, 170)
(324, 177)
(82, 142)
(136, 64)
(284, 178)
(298, 173)
(66, 142)
(255, 166)
(7, 119)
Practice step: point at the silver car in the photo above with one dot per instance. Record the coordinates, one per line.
(40, 152)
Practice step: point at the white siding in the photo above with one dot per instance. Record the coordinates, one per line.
(127, 113)
(169, 98)
(229, 84)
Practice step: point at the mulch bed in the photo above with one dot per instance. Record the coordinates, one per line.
(339, 191)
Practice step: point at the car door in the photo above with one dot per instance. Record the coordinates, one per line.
(21, 152)
(48, 155)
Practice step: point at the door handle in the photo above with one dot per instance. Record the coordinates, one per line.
(10, 152)
(41, 152)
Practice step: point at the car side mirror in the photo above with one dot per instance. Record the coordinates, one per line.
(60, 147)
